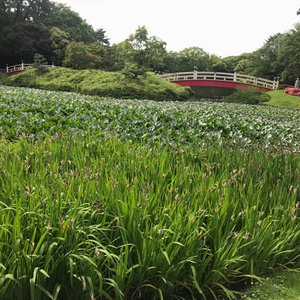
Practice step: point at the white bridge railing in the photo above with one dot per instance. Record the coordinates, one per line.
(220, 76)
(22, 67)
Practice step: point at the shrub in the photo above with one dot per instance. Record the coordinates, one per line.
(40, 63)
(248, 96)
(101, 83)
(3, 78)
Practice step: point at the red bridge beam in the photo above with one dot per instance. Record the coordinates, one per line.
(220, 84)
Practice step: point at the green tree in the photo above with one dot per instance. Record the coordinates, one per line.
(101, 38)
(102, 55)
(172, 62)
(146, 52)
(243, 66)
(279, 56)
(59, 42)
(140, 53)
(78, 56)
(69, 21)
(217, 64)
(22, 40)
(40, 63)
(193, 57)
(266, 59)
(26, 10)
(289, 55)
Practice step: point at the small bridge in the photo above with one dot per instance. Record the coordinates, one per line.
(16, 69)
(214, 84)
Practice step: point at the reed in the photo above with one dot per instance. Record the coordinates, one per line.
(98, 218)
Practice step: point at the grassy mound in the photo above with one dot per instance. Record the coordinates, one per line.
(279, 98)
(101, 83)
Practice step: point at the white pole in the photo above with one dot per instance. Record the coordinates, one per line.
(234, 76)
(195, 74)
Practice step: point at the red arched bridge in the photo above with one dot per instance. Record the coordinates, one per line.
(219, 83)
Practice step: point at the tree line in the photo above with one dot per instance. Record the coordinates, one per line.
(55, 31)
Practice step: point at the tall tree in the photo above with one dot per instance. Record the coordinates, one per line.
(265, 59)
(26, 10)
(216, 64)
(193, 57)
(79, 57)
(101, 38)
(69, 21)
(147, 52)
(289, 54)
(59, 42)
(140, 53)
(22, 40)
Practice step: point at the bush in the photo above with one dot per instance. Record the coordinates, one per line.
(40, 63)
(249, 96)
(3, 78)
(101, 83)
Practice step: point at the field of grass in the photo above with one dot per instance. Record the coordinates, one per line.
(279, 98)
(120, 199)
(285, 285)
(101, 83)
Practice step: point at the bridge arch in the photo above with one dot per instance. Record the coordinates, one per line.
(216, 84)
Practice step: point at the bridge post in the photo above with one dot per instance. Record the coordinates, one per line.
(275, 83)
(195, 74)
(22, 66)
(234, 76)
(6, 68)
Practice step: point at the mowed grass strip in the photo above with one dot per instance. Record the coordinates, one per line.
(280, 98)
(88, 218)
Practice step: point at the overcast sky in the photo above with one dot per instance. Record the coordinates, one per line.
(222, 27)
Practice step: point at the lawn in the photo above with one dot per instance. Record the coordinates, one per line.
(283, 286)
(279, 98)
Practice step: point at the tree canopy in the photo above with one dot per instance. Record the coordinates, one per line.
(61, 36)
(28, 27)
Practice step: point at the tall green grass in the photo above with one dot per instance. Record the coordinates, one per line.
(100, 219)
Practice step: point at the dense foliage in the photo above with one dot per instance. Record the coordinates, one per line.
(248, 96)
(63, 37)
(26, 112)
(127, 199)
(101, 83)
(43, 27)
(86, 218)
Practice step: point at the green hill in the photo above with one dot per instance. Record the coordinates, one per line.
(279, 98)
(101, 83)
